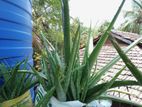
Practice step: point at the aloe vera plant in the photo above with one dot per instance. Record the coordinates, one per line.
(16, 81)
(70, 79)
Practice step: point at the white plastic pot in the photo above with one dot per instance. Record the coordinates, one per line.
(96, 103)
(56, 103)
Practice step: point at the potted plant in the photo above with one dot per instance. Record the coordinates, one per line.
(66, 80)
(17, 83)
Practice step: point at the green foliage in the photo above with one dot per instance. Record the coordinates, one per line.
(83, 31)
(46, 14)
(16, 81)
(133, 19)
(103, 27)
(70, 79)
(137, 4)
(47, 18)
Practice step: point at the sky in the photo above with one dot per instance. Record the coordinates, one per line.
(97, 11)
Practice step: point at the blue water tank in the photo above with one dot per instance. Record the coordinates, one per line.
(15, 31)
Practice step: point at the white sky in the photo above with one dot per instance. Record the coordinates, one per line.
(97, 11)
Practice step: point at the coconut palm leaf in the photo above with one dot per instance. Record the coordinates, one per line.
(138, 3)
(133, 19)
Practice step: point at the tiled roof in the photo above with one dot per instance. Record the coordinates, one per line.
(106, 55)
(127, 35)
(134, 93)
